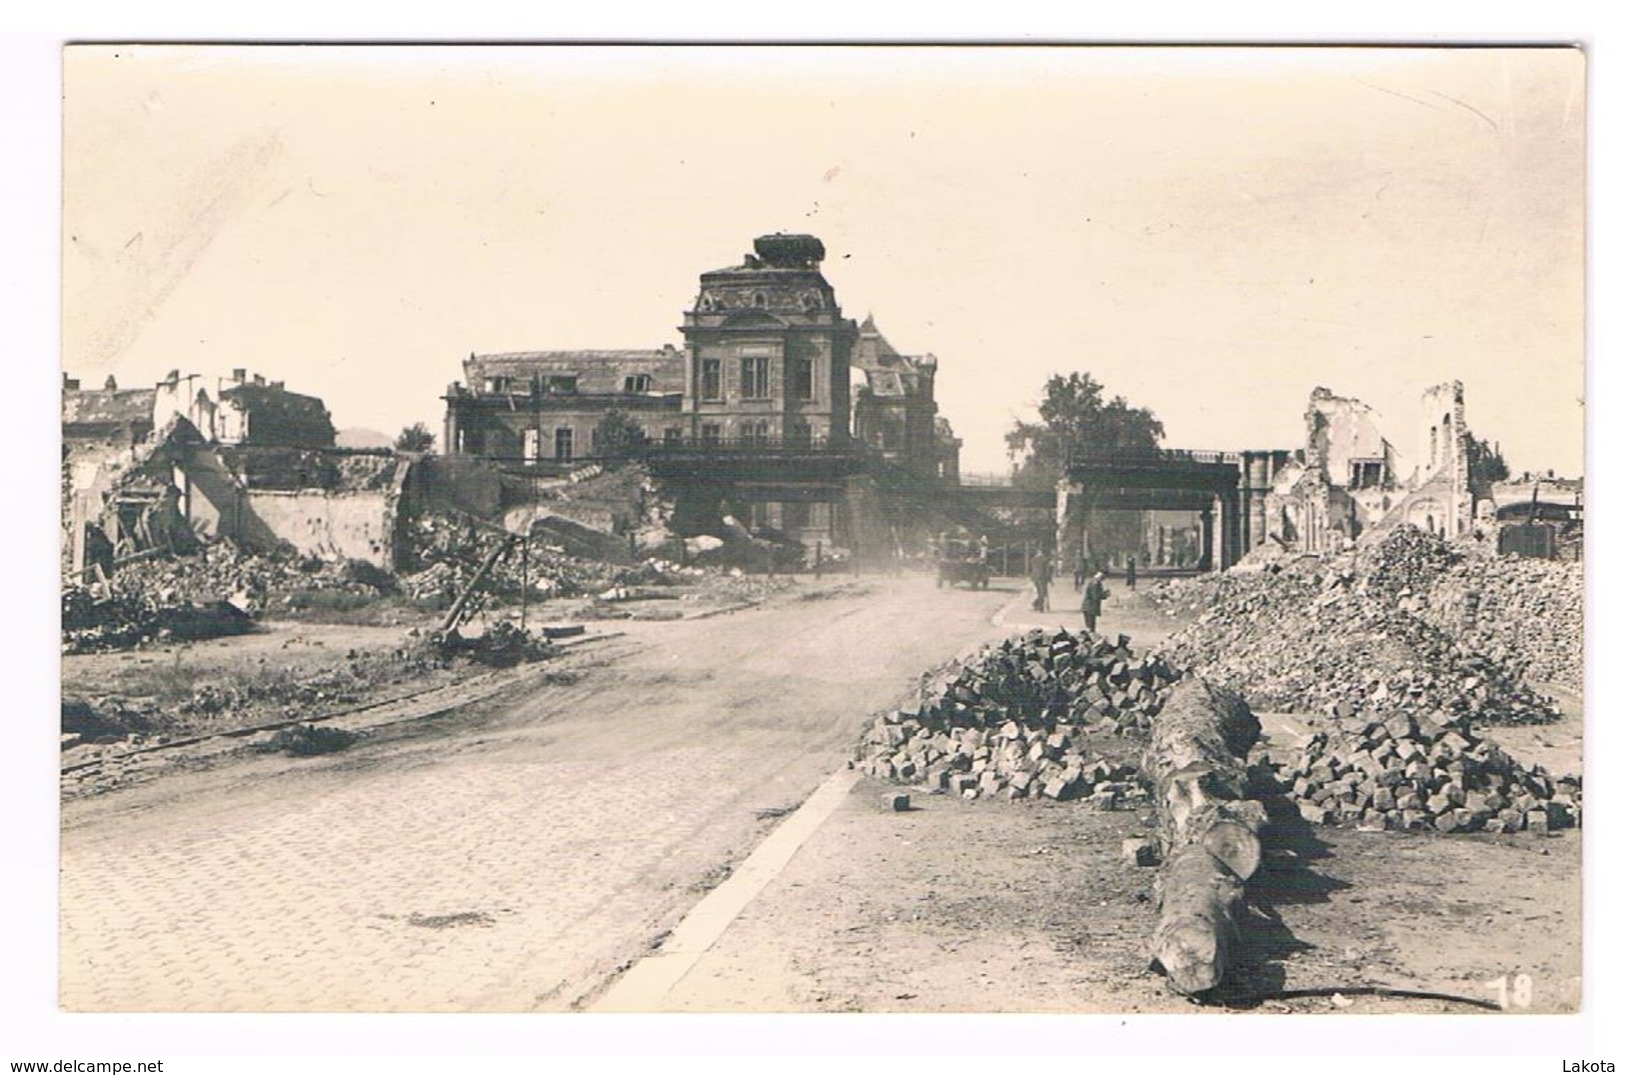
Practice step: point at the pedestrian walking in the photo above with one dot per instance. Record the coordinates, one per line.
(1041, 574)
(1093, 594)
(1128, 574)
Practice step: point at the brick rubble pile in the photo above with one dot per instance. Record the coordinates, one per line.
(447, 552)
(1013, 720)
(212, 592)
(1527, 615)
(92, 622)
(1315, 635)
(225, 570)
(1405, 772)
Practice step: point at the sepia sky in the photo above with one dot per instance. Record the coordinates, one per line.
(1212, 233)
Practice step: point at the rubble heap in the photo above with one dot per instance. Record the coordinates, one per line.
(502, 645)
(1405, 563)
(253, 581)
(1012, 719)
(121, 620)
(1527, 615)
(1312, 636)
(658, 572)
(447, 552)
(1194, 595)
(1399, 771)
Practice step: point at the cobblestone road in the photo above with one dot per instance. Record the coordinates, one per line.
(513, 858)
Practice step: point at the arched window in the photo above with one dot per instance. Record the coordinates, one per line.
(759, 299)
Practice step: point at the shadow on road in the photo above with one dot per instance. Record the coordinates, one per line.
(1286, 878)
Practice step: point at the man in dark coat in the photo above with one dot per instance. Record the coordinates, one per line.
(1093, 594)
(1041, 575)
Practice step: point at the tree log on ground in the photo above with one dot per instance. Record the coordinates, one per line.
(1196, 935)
(1196, 760)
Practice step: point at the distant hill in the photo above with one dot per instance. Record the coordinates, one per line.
(363, 438)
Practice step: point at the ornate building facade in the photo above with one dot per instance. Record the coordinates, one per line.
(768, 351)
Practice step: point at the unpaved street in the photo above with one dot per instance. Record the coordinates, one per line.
(511, 856)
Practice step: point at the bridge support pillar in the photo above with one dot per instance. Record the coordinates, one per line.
(1221, 532)
(1071, 512)
(1210, 544)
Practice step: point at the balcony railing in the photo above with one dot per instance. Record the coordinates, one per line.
(749, 444)
(1078, 457)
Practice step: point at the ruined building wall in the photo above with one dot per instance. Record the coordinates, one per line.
(1444, 470)
(1348, 484)
(1438, 497)
(358, 526)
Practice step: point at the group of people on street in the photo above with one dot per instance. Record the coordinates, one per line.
(1092, 584)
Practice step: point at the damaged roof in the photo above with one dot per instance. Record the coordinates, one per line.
(596, 372)
(279, 408)
(103, 407)
(889, 373)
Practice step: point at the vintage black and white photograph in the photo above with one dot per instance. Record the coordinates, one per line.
(823, 529)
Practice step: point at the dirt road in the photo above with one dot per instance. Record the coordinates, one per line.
(519, 853)
(512, 856)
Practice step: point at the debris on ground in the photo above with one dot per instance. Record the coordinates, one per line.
(309, 740)
(1316, 634)
(123, 619)
(445, 552)
(225, 570)
(1016, 717)
(1526, 614)
(502, 645)
(1406, 772)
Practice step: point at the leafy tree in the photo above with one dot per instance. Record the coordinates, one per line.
(1075, 415)
(616, 435)
(415, 438)
(1485, 465)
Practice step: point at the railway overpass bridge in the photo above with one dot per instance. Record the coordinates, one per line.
(859, 491)
(1225, 490)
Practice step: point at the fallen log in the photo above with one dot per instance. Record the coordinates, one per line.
(1196, 763)
(1196, 760)
(1196, 935)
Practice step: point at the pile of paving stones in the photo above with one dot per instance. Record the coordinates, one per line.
(1399, 771)
(1015, 719)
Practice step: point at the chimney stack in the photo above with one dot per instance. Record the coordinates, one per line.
(239, 375)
